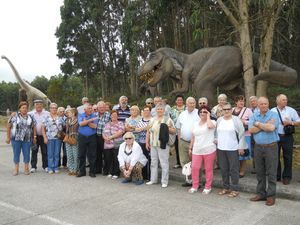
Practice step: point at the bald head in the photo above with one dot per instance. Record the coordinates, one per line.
(263, 104)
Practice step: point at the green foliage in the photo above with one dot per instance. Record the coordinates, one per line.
(9, 95)
(41, 83)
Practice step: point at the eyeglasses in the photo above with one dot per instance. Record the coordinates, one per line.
(202, 103)
(227, 109)
(149, 103)
(129, 138)
(205, 112)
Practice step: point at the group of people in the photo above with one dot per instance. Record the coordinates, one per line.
(132, 141)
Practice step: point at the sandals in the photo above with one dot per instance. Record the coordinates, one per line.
(224, 192)
(233, 194)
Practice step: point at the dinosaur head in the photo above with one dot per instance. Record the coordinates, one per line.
(156, 68)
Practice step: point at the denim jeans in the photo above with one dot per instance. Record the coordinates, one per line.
(19, 146)
(53, 148)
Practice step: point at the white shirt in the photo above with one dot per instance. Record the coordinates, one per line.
(287, 114)
(203, 139)
(39, 117)
(185, 123)
(227, 139)
(131, 156)
(80, 109)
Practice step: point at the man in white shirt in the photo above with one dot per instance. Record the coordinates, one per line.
(80, 109)
(39, 115)
(287, 117)
(184, 125)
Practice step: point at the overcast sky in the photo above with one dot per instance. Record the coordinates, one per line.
(27, 38)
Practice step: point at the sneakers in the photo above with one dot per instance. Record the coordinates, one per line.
(150, 182)
(56, 171)
(32, 170)
(193, 190)
(114, 177)
(177, 166)
(46, 169)
(50, 172)
(109, 176)
(206, 191)
(125, 181)
(164, 185)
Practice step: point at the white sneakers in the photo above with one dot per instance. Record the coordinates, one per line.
(109, 176)
(32, 170)
(114, 177)
(46, 169)
(164, 185)
(150, 182)
(193, 190)
(206, 191)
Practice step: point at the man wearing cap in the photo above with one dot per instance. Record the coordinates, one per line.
(39, 115)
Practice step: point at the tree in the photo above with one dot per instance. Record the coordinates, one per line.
(41, 83)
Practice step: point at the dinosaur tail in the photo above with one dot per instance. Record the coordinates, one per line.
(279, 74)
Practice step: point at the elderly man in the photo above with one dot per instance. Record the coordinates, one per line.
(39, 115)
(176, 110)
(103, 118)
(263, 125)
(184, 125)
(87, 140)
(287, 117)
(158, 100)
(253, 103)
(123, 109)
(80, 109)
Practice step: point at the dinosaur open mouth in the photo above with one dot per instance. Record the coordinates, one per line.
(148, 77)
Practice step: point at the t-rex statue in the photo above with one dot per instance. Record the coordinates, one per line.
(207, 69)
(32, 93)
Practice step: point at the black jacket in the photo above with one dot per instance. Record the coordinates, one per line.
(163, 135)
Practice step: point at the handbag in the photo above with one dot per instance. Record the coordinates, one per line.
(61, 135)
(288, 129)
(187, 169)
(70, 140)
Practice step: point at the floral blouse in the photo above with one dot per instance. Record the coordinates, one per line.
(53, 126)
(22, 127)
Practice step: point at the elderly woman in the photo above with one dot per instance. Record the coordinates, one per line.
(72, 148)
(21, 132)
(231, 143)
(51, 130)
(141, 128)
(244, 114)
(61, 114)
(159, 149)
(203, 149)
(112, 135)
(133, 120)
(217, 110)
(131, 159)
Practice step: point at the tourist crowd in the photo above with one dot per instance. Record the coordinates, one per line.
(132, 142)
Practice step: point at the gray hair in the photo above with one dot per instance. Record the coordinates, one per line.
(101, 103)
(253, 98)
(280, 96)
(123, 96)
(190, 99)
(53, 104)
(84, 99)
(227, 104)
(128, 134)
(160, 105)
(86, 105)
(203, 99)
(222, 96)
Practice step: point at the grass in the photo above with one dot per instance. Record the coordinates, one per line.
(3, 121)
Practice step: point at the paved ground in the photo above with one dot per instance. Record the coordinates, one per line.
(42, 199)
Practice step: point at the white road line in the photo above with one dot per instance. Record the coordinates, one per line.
(49, 218)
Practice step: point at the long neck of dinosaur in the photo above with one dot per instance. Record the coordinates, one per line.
(22, 83)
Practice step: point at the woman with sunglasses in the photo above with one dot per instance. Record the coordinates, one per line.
(52, 126)
(131, 159)
(231, 143)
(203, 149)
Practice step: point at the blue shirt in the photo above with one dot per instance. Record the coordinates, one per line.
(86, 130)
(264, 137)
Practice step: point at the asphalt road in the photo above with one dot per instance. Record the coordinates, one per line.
(42, 199)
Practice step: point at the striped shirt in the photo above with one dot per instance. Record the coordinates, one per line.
(123, 114)
(142, 135)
